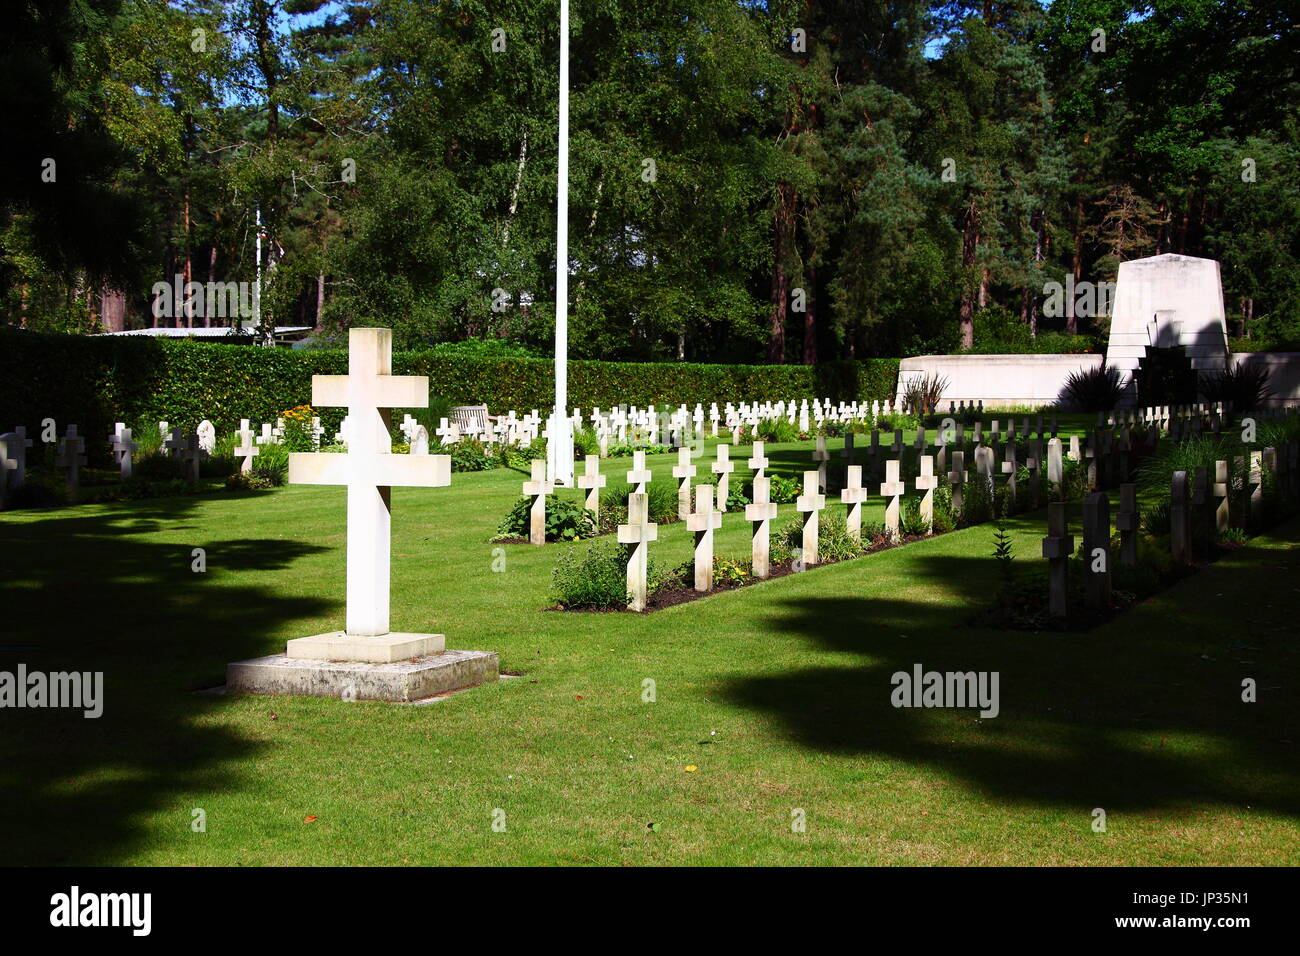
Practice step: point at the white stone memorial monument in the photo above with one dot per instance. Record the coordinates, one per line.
(366, 660)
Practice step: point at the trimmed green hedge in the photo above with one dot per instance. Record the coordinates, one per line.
(97, 380)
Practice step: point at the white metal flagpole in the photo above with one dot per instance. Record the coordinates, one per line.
(559, 445)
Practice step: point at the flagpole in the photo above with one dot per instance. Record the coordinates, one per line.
(559, 445)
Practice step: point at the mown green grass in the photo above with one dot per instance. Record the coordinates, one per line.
(778, 694)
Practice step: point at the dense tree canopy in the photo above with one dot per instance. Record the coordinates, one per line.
(795, 181)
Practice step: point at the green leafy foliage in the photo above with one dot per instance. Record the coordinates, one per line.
(566, 520)
(774, 430)
(1003, 552)
(923, 394)
(833, 540)
(594, 578)
(1096, 389)
(661, 500)
(96, 381)
(1244, 386)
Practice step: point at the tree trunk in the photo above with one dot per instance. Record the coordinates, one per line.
(783, 221)
(1071, 322)
(112, 310)
(189, 263)
(514, 192)
(810, 319)
(969, 244)
(212, 277)
(320, 299)
(1038, 257)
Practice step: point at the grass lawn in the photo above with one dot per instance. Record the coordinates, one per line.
(778, 695)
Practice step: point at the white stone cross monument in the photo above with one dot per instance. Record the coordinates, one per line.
(369, 469)
(638, 532)
(683, 471)
(175, 444)
(723, 468)
(448, 432)
(16, 444)
(246, 449)
(593, 481)
(366, 661)
(821, 456)
(123, 449)
(703, 522)
(639, 474)
(810, 504)
(761, 513)
(758, 464)
(926, 482)
(890, 491)
(854, 495)
(538, 489)
(192, 454)
(71, 455)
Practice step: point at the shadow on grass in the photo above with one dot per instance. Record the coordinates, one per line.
(1142, 714)
(86, 593)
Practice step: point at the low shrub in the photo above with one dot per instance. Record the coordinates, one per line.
(594, 578)
(297, 428)
(272, 464)
(40, 490)
(158, 467)
(661, 500)
(469, 454)
(566, 520)
(911, 522)
(250, 482)
(1095, 389)
(775, 430)
(1155, 518)
(977, 502)
(1232, 536)
(895, 420)
(1242, 387)
(833, 540)
(627, 449)
(923, 394)
(782, 490)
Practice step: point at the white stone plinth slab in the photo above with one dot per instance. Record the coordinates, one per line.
(359, 680)
(341, 646)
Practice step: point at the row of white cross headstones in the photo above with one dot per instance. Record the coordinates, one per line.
(704, 515)
(619, 424)
(615, 425)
